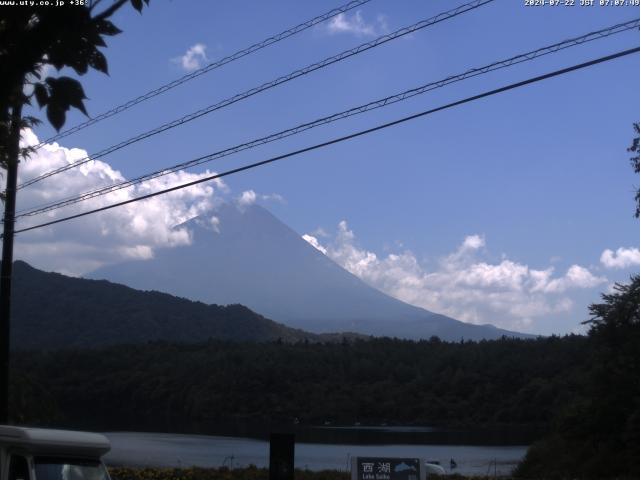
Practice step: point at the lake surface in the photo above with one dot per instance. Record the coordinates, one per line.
(176, 450)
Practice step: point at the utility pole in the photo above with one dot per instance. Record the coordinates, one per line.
(13, 154)
(25, 52)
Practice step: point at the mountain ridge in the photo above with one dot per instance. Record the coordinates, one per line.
(52, 311)
(252, 258)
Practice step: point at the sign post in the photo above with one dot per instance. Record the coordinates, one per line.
(281, 456)
(387, 468)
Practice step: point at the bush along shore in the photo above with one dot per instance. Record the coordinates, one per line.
(247, 473)
(222, 473)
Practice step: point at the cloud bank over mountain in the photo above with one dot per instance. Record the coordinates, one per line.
(130, 231)
(464, 285)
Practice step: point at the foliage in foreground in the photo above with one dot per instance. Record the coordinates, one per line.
(598, 434)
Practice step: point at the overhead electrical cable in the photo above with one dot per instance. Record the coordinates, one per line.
(341, 139)
(524, 57)
(207, 68)
(266, 86)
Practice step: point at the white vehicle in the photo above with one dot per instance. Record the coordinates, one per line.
(434, 468)
(43, 454)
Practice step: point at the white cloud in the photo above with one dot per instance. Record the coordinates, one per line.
(621, 258)
(576, 277)
(247, 198)
(611, 288)
(209, 222)
(141, 252)
(356, 25)
(506, 293)
(320, 232)
(194, 58)
(473, 242)
(129, 231)
(313, 241)
(273, 197)
(382, 23)
(505, 275)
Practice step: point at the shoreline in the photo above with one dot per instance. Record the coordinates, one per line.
(246, 473)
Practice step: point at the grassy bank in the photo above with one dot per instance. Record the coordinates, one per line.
(223, 473)
(249, 473)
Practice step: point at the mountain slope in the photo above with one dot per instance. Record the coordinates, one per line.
(252, 258)
(52, 311)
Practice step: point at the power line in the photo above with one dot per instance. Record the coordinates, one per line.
(206, 69)
(524, 57)
(619, 28)
(266, 86)
(344, 138)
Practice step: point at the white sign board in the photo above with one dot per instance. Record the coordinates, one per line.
(387, 468)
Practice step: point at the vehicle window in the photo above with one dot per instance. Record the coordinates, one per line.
(18, 468)
(48, 468)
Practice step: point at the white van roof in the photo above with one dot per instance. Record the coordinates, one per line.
(54, 442)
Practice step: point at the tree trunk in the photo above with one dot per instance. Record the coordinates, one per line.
(13, 153)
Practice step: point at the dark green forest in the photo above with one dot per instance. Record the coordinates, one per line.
(93, 313)
(489, 383)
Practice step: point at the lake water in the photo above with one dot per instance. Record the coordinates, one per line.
(175, 450)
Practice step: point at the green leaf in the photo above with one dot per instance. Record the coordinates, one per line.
(137, 4)
(56, 115)
(98, 61)
(41, 93)
(79, 104)
(105, 27)
(67, 86)
(78, 61)
(95, 39)
(56, 57)
(65, 92)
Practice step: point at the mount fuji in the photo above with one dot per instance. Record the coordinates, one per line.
(250, 257)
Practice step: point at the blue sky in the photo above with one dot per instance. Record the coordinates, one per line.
(475, 198)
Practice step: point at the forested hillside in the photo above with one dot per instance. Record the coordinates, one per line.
(53, 311)
(504, 382)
